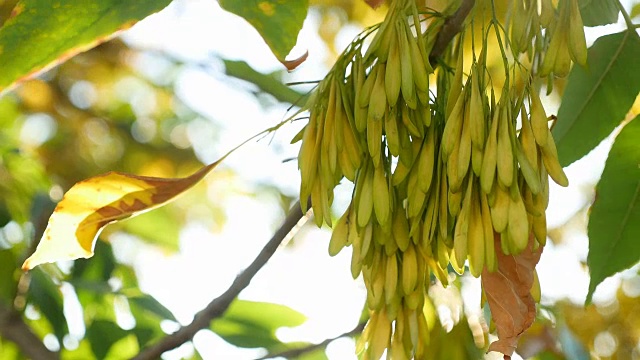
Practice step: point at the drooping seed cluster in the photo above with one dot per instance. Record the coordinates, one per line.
(437, 178)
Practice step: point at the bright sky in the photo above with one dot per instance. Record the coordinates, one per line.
(303, 276)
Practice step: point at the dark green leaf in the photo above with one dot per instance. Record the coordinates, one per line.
(269, 84)
(47, 298)
(455, 344)
(614, 222)
(598, 12)
(43, 33)
(278, 22)
(150, 304)
(597, 99)
(244, 335)
(8, 268)
(98, 269)
(252, 324)
(127, 275)
(102, 335)
(146, 334)
(145, 312)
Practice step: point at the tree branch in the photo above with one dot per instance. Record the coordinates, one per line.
(451, 27)
(13, 328)
(218, 306)
(294, 353)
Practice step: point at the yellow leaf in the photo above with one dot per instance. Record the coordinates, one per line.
(95, 202)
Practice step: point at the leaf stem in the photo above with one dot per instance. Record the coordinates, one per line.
(625, 15)
(219, 305)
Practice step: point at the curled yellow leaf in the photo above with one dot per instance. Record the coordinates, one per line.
(93, 203)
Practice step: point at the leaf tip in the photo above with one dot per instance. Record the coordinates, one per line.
(293, 64)
(592, 289)
(33, 261)
(26, 266)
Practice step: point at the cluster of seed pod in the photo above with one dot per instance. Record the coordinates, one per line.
(436, 179)
(563, 40)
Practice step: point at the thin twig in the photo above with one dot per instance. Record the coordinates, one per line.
(451, 28)
(14, 329)
(294, 353)
(218, 306)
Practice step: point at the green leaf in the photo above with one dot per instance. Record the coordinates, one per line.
(46, 296)
(99, 269)
(9, 283)
(614, 222)
(9, 350)
(597, 99)
(598, 12)
(250, 324)
(635, 10)
(83, 351)
(148, 313)
(147, 326)
(150, 304)
(125, 348)
(43, 33)
(269, 84)
(102, 335)
(277, 21)
(245, 335)
(159, 227)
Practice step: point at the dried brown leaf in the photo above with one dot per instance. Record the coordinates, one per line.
(508, 291)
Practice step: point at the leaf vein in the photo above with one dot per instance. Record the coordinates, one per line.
(598, 83)
(625, 220)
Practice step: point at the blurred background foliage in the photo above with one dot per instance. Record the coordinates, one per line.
(116, 107)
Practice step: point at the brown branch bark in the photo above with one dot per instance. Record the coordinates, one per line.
(14, 329)
(294, 353)
(451, 27)
(218, 306)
